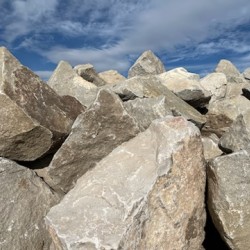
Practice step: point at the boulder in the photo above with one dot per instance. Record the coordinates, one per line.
(235, 89)
(24, 201)
(65, 81)
(95, 133)
(185, 85)
(215, 84)
(246, 74)
(151, 86)
(147, 64)
(147, 193)
(87, 72)
(145, 110)
(34, 119)
(223, 112)
(111, 76)
(238, 135)
(229, 199)
(210, 146)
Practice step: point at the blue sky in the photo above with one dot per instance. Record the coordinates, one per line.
(111, 34)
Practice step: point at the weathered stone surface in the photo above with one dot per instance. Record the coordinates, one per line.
(95, 133)
(65, 81)
(235, 89)
(87, 72)
(34, 118)
(246, 91)
(24, 202)
(210, 146)
(147, 64)
(216, 84)
(246, 73)
(147, 194)
(238, 135)
(223, 112)
(185, 85)
(229, 199)
(146, 110)
(151, 86)
(111, 76)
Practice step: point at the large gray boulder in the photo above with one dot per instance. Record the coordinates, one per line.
(95, 133)
(229, 199)
(65, 81)
(238, 135)
(151, 86)
(147, 64)
(147, 193)
(24, 201)
(111, 76)
(34, 119)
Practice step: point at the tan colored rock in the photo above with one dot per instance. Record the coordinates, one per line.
(65, 81)
(151, 86)
(229, 199)
(111, 76)
(95, 133)
(246, 73)
(24, 201)
(147, 193)
(147, 64)
(34, 119)
(87, 72)
(210, 146)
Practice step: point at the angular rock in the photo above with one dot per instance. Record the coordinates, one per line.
(216, 84)
(238, 135)
(87, 72)
(235, 89)
(210, 146)
(147, 193)
(231, 72)
(146, 110)
(95, 133)
(34, 119)
(24, 201)
(151, 86)
(65, 81)
(111, 76)
(147, 64)
(229, 199)
(186, 85)
(223, 112)
(246, 73)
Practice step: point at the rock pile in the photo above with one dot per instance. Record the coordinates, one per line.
(97, 161)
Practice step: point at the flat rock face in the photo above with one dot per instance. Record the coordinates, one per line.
(229, 199)
(94, 135)
(147, 64)
(111, 76)
(32, 114)
(238, 135)
(148, 193)
(24, 202)
(65, 81)
(87, 72)
(151, 86)
(210, 146)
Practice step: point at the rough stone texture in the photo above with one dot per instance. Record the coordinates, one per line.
(151, 86)
(223, 112)
(238, 135)
(147, 64)
(246, 73)
(87, 72)
(229, 199)
(65, 81)
(95, 133)
(231, 72)
(210, 146)
(235, 89)
(32, 115)
(24, 202)
(216, 84)
(146, 110)
(111, 76)
(147, 194)
(186, 85)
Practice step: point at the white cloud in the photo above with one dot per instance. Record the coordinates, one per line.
(44, 74)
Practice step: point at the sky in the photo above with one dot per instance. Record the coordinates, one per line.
(111, 34)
